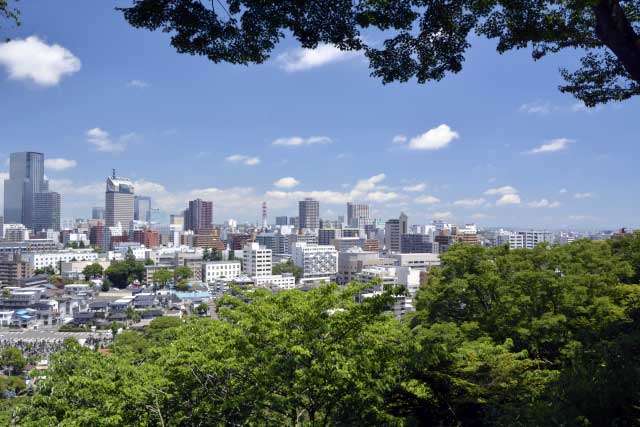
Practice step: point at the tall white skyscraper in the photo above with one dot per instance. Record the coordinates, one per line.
(357, 215)
(118, 202)
(257, 260)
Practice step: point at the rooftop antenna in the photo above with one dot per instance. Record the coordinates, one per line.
(113, 173)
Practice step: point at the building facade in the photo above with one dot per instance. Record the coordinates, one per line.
(257, 260)
(199, 215)
(308, 214)
(46, 211)
(119, 199)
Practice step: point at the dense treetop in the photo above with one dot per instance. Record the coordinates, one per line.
(424, 39)
(500, 338)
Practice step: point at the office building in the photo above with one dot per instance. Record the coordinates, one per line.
(282, 220)
(53, 259)
(257, 260)
(97, 212)
(344, 243)
(46, 211)
(393, 230)
(357, 215)
(26, 178)
(354, 260)
(119, 198)
(309, 214)
(417, 244)
(142, 208)
(198, 216)
(213, 270)
(327, 235)
(15, 233)
(528, 239)
(318, 262)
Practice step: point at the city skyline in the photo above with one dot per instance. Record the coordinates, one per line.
(472, 151)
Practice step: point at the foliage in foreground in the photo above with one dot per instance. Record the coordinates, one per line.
(500, 338)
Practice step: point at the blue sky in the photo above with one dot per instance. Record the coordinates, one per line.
(496, 144)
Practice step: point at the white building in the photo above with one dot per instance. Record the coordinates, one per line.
(211, 271)
(420, 261)
(53, 259)
(256, 260)
(318, 262)
(528, 239)
(281, 281)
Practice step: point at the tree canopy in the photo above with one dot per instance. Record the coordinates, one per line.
(426, 39)
(499, 337)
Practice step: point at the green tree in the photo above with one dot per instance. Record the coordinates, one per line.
(206, 254)
(288, 267)
(426, 39)
(92, 271)
(161, 279)
(183, 273)
(9, 13)
(202, 309)
(106, 285)
(121, 273)
(149, 262)
(48, 270)
(12, 359)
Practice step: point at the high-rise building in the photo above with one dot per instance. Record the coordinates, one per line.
(528, 239)
(97, 212)
(417, 244)
(26, 178)
(46, 211)
(118, 202)
(282, 220)
(357, 215)
(309, 214)
(393, 230)
(256, 260)
(142, 208)
(198, 216)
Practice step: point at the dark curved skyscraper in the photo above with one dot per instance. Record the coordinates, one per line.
(26, 178)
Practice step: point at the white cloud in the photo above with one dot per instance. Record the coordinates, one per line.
(583, 195)
(369, 184)
(241, 158)
(441, 215)
(536, 107)
(415, 188)
(470, 202)
(479, 216)
(583, 217)
(507, 189)
(426, 200)
(382, 196)
(563, 190)
(399, 139)
(137, 84)
(557, 144)
(305, 59)
(59, 164)
(508, 199)
(297, 141)
(286, 182)
(32, 59)
(434, 139)
(543, 203)
(103, 142)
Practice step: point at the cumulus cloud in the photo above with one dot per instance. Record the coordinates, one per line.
(434, 139)
(415, 188)
(441, 215)
(543, 203)
(34, 60)
(470, 202)
(426, 200)
(137, 84)
(508, 199)
(563, 190)
(59, 164)
(286, 182)
(243, 159)
(297, 141)
(507, 189)
(479, 216)
(399, 139)
(583, 195)
(102, 141)
(551, 146)
(305, 59)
